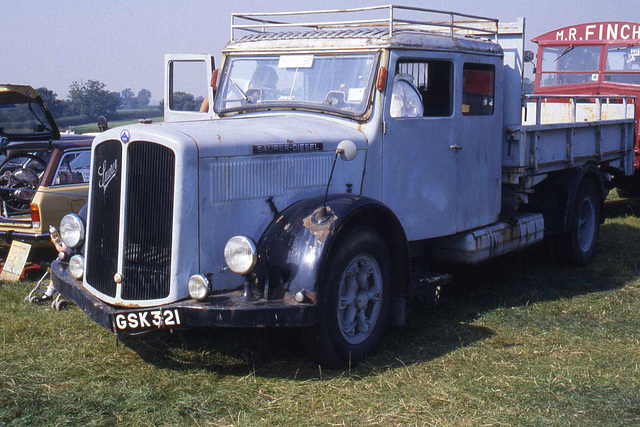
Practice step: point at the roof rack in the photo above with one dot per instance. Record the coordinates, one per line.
(396, 21)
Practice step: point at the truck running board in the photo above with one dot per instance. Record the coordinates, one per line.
(511, 233)
(427, 285)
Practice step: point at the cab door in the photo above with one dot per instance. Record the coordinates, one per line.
(187, 84)
(479, 138)
(420, 150)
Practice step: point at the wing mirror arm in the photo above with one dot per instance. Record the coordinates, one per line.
(347, 151)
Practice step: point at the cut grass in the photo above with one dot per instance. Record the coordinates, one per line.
(519, 340)
(93, 127)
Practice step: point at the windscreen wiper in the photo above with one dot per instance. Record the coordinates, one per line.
(244, 95)
(567, 50)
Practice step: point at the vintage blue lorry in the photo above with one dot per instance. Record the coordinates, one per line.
(328, 154)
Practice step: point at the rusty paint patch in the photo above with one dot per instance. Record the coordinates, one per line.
(313, 297)
(290, 141)
(219, 138)
(126, 305)
(320, 230)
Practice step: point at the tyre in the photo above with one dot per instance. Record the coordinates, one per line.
(355, 299)
(578, 245)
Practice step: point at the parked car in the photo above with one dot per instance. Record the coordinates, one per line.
(43, 174)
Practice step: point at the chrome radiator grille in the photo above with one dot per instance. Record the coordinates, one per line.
(147, 221)
(102, 249)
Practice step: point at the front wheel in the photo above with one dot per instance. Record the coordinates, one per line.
(355, 299)
(579, 243)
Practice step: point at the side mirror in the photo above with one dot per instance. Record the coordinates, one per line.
(528, 56)
(347, 150)
(102, 124)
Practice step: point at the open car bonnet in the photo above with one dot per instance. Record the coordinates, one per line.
(24, 116)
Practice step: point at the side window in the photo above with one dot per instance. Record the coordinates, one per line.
(478, 89)
(188, 85)
(434, 83)
(73, 168)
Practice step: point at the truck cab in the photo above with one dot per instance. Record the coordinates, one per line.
(326, 160)
(597, 58)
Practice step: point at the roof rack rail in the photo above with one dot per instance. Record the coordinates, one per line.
(455, 24)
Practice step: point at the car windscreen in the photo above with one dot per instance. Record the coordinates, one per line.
(569, 64)
(623, 64)
(339, 83)
(23, 120)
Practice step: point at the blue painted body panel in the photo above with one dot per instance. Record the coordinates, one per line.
(437, 190)
(238, 189)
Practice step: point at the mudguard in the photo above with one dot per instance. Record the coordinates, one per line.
(294, 248)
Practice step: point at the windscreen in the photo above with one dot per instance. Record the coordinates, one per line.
(338, 83)
(623, 65)
(563, 65)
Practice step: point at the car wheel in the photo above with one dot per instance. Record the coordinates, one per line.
(579, 243)
(355, 299)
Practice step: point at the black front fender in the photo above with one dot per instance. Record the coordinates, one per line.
(294, 248)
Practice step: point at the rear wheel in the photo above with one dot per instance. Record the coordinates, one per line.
(355, 299)
(579, 243)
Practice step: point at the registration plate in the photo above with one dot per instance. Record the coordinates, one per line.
(138, 320)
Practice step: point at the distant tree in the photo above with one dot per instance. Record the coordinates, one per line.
(91, 99)
(143, 98)
(198, 103)
(127, 99)
(161, 105)
(182, 101)
(56, 106)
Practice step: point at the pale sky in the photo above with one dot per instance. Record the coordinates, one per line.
(123, 43)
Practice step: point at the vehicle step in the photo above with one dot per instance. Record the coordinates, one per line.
(427, 285)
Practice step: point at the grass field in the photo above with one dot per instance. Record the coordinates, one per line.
(93, 127)
(516, 341)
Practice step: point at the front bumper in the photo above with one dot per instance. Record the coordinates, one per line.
(10, 235)
(228, 309)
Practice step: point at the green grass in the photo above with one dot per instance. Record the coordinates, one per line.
(516, 341)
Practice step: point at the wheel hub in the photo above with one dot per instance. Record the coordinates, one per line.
(586, 224)
(359, 300)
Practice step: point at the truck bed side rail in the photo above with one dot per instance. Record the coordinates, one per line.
(546, 109)
(393, 18)
(562, 131)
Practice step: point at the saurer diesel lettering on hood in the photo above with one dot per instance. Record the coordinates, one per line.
(287, 148)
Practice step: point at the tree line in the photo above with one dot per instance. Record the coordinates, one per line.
(91, 99)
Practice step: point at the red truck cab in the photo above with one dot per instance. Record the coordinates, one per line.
(599, 58)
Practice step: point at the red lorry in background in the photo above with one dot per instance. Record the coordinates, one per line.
(598, 58)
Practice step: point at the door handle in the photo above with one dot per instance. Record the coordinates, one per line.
(455, 147)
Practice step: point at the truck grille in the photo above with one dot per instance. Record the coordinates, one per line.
(149, 222)
(102, 248)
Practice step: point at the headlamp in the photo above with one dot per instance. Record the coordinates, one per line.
(76, 266)
(72, 230)
(199, 288)
(240, 254)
